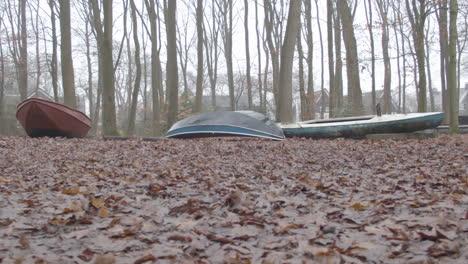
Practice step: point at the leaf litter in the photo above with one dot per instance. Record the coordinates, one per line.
(233, 200)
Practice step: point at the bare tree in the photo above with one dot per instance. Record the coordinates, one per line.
(247, 53)
(302, 93)
(352, 63)
(442, 20)
(54, 63)
(225, 6)
(184, 42)
(308, 108)
(199, 89)
(211, 32)
(285, 112)
(338, 63)
(273, 24)
(417, 13)
(136, 87)
(331, 70)
(104, 37)
(428, 63)
(171, 71)
(370, 27)
(452, 68)
(259, 57)
(66, 57)
(322, 69)
(156, 68)
(383, 7)
(18, 43)
(2, 77)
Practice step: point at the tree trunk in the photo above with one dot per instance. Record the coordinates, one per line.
(227, 23)
(156, 72)
(273, 49)
(54, 63)
(443, 43)
(338, 65)
(309, 93)
(302, 93)
(90, 69)
(352, 66)
(23, 69)
(370, 26)
(383, 11)
(429, 74)
(331, 72)
(136, 88)
(417, 15)
(285, 112)
(247, 54)
(259, 56)
(452, 67)
(199, 90)
(2, 82)
(322, 70)
(397, 43)
(104, 33)
(172, 71)
(68, 77)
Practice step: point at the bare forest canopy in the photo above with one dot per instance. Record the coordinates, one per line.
(137, 66)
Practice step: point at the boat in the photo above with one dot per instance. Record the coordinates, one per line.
(359, 127)
(226, 123)
(45, 118)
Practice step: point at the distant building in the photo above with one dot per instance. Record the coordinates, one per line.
(464, 100)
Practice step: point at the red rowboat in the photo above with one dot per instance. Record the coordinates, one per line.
(44, 118)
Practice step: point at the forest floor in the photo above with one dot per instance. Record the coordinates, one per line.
(233, 200)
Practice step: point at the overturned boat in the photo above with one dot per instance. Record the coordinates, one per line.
(359, 127)
(226, 123)
(44, 118)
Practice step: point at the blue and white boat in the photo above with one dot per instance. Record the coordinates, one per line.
(226, 123)
(359, 127)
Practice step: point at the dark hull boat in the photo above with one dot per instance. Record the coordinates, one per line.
(228, 123)
(359, 127)
(44, 118)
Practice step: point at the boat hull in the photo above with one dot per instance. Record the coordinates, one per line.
(43, 118)
(360, 128)
(227, 123)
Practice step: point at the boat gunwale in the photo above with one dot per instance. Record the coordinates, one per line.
(273, 136)
(375, 120)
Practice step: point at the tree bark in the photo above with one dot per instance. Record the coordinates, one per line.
(331, 71)
(338, 65)
(322, 69)
(136, 88)
(247, 54)
(104, 33)
(370, 26)
(259, 56)
(443, 43)
(452, 67)
(352, 66)
(227, 31)
(172, 71)
(156, 69)
(273, 48)
(285, 112)
(309, 93)
(199, 90)
(68, 76)
(383, 11)
(417, 15)
(54, 63)
(302, 93)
